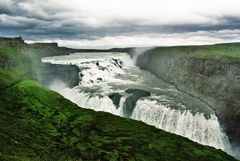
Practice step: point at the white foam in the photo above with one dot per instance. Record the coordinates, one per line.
(98, 70)
(195, 127)
(108, 67)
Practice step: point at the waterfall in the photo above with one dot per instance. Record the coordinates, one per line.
(96, 103)
(107, 73)
(195, 127)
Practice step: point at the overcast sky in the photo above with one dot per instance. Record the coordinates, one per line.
(121, 23)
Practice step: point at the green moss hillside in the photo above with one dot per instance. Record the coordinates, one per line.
(37, 124)
(14, 66)
(222, 52)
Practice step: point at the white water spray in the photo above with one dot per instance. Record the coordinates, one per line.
(195, 127)
(107, 72)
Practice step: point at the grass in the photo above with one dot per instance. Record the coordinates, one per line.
(209, 72)
(37, 124)
(13, 65)
(224, 52)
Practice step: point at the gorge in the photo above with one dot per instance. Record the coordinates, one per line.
(111, 82)
(39, 124)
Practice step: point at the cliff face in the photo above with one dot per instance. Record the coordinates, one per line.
(12, 68)
(15, 41)
(19, 60)
(69, 74)
(47, 73)
(211, 73)
(39, 124)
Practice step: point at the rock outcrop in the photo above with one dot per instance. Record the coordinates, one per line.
(39, 124)
(210, 73)
(130, 102)
(69, 74)
(14, 41)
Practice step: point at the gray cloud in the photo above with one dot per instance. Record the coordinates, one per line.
(38, 20)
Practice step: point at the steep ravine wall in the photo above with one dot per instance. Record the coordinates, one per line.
(213, 80)
(45, 74)
(39, 124)
(69, 74)
(41, 118)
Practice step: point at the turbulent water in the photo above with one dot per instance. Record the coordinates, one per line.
(111, 82)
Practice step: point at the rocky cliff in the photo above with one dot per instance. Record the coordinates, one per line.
(210, 73)
(38, 124)
(47, 73)
(15, 41)
(69, 74)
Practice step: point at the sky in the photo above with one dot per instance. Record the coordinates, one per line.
(121, 23)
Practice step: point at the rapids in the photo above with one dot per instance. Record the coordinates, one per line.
(104, 74)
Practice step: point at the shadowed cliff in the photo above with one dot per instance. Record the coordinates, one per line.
(210, 73)
(39, 124)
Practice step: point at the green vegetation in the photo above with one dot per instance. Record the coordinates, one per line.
(37, 124)
(224, 52)
(209, 73)
(13, 65)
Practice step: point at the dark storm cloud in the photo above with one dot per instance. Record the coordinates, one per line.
(36, 19)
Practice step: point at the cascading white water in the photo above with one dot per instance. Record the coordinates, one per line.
(195, 127)
(111, 72)
(121, 104)
(97, 103)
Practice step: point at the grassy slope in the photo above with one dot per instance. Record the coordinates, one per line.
(224, 52)
(13, 65)
(39, 124)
